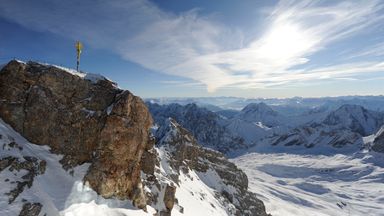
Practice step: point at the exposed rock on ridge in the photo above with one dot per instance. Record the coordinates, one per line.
(86, 120)
(185, 156)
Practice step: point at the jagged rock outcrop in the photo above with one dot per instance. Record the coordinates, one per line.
(84, 117)
(186, 157)
(31, 209)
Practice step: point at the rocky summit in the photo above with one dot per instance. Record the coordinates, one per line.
(86, 120)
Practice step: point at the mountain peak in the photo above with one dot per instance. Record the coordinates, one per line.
(258, 107)
(260, 112)
(357, 118)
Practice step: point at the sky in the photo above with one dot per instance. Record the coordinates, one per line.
(199, 48)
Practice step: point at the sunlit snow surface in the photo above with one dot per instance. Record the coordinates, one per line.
(318, 185)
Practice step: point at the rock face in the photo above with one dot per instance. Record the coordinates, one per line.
(169, 197)
(84, 117)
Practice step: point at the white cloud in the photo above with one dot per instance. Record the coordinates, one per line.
(196, 47)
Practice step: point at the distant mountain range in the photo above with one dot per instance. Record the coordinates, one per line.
(260, 127)
(286, 106)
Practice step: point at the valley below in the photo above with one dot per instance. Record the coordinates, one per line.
(321, 185)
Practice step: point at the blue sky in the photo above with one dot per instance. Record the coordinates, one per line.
(173, 48)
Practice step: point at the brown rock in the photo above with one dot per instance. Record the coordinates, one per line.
(83, 120)
(116, 170)
(138, 197)
(169, 197)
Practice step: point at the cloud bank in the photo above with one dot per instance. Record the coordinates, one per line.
(200, 48)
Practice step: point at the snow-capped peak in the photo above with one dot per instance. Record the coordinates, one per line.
(261, 112)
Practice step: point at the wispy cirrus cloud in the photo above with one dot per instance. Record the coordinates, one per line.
(373, 50)
(200, 48)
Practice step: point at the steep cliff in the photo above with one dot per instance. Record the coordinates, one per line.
(84, 117)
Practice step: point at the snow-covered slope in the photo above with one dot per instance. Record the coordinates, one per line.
(307, 184)
(251, 132)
